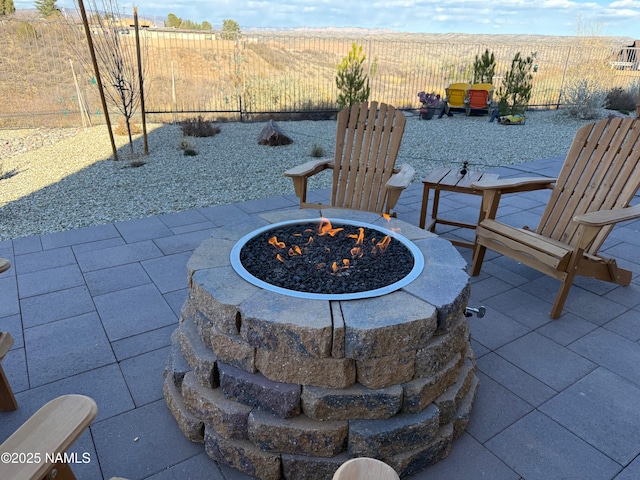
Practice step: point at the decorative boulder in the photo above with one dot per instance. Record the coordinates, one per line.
(273, 135)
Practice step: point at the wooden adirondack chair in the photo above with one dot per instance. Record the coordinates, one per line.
(363, 468)
(598, 180)
(368, 138)
(47, 434)
(7, 399)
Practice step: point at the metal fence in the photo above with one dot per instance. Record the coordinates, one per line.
(43, 82)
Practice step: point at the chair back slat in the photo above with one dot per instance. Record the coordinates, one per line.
(580, 181)
(364, 180)
(367, 142)
(601, 172)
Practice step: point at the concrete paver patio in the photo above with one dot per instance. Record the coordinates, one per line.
(92, 311)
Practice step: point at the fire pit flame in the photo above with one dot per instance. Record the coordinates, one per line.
(325, 228)
(344, 249)
(274, 241)
(382, 245)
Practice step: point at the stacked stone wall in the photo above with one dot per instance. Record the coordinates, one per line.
(283, 387)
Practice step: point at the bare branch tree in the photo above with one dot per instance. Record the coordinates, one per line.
(115, 51)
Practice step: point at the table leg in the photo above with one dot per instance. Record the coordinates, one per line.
(434, 209)
(425, 203)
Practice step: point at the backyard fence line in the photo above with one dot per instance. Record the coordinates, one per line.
(190, 73)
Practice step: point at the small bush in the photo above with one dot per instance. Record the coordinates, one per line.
(185, 144)
(199, 127)
(584, 99)
(352, 81)
(189, 152)
(136, 163)
(484, 67)
(317, 151)
(622, 100)
(517, 86)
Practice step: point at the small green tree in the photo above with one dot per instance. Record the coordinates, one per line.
(230, 29)
(484, 68)
(516, 88)
(351, 81)
(206, 26)
(47, 8)
(172, 21)
(7, 7)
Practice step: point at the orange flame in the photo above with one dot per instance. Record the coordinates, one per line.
(382, 245)
(359, 237)
(334, 267)
(386, 216)
(325, 228)
(356, 252)
(295, 250)
(280, 258)
(274, 241)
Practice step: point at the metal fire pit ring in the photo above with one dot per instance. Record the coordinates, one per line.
(418, 262)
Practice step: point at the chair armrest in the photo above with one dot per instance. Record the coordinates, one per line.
(512, 185)
(4, 265)
(309, 168)
(6, 341)
(402, 178)
(608, 217)
(52, 429)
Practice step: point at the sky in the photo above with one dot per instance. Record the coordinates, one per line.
(543, 17)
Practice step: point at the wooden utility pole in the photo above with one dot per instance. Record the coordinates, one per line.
(96, 70)
(638, 105)
(141, 82)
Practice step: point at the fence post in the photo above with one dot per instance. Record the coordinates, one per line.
(564, 74)
(141, 81)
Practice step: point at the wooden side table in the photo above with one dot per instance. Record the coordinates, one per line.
(450, 180)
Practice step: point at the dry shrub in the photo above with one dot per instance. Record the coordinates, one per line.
(584, 98)
(317, 151)
(199, 127)
(622, 100)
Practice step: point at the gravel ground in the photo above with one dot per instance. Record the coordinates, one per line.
(54, 180)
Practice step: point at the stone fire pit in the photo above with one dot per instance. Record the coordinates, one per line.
(284, 387)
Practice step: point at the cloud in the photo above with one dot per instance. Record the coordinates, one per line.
(625, 4)
(552, 17)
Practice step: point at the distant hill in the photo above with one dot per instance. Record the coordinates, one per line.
(336, 32)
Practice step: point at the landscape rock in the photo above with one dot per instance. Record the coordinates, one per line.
(273, 135)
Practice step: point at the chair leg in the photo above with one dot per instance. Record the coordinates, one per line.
(60, 471)
(565, 286)
(7, 399)
(478, 258)
(300, 187)
(561, 298)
